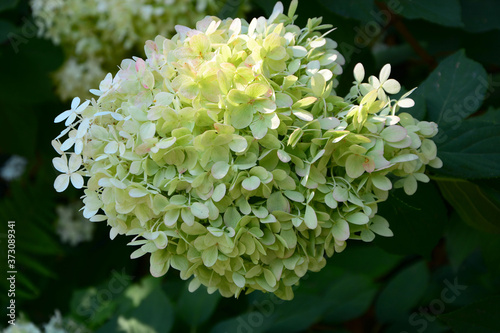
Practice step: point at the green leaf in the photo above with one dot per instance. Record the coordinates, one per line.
(417, 221)
(8, 4)
(349, 297)
(480, 15)
(454, 90)
(376, 262)
(155, 311)
(196, 307)
(481, 317)
(471, 150)
(407, 287)
(360, 10)
(474, 205)
(446, 12)
(5, 28)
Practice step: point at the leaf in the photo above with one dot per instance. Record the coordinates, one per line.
(376, 262)
(480, 15)
(360, 10)
(454, 90)
(471, 150)
(407, 287)
(155, 311)
(481, 316)
(472, 203)
(417, 221)
(349, 297)
(446, 12)
(196, 307)
(8, 4)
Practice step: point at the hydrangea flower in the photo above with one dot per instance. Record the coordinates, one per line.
(228, 156)
(71, 226)
(97, 34)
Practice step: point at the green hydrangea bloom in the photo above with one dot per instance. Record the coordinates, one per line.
(228, 155)
(96, 34)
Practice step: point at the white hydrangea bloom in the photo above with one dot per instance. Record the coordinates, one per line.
(13, 168)
(56, 324)
(72, 227)
(21, 327)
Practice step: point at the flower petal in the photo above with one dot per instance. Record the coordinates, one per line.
(75, 102)
(62, 116)
(77, 180)
(61, 182)
(75, 161)
(60, 163)
(82, 107)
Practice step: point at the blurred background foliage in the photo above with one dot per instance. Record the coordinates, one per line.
(441, 270)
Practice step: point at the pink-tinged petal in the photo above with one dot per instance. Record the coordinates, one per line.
(82, 107)
(60, 163)
(77, 180)
(61, 183)
(369, 164)
(68, 144)
(75, 102)
(71, 119)
(75, 161)
(62, 116)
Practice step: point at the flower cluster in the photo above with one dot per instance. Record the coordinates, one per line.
(228, 155)
(96, 34)
(71, 226)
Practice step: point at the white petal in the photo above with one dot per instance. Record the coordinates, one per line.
(57, 146)
(74, 103)
(60, 163)
(82, 129)
(62, 116)
(67, 144)
(61, 182)
(78, 147)
(278, 9)
(71, 119)
(82, 107)
(63, 133)
(77, 180)
(75, 161)
(95, 92)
